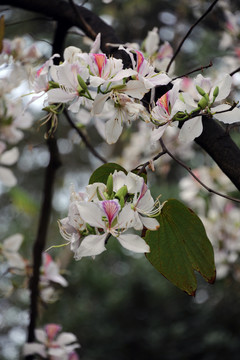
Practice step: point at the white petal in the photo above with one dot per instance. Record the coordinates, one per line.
(149, 223)
(41, 335)
(133, 243)
(228, 117)
(136, 89)
(224, 87)
(34, 348)
(91, 214)
(126, 217)
(123, 74)
(191, 129)
(95, 81)
(60, 96)
(113, 129)
(13, 243)
(66, 338)
(158, 133)
(99, 102)
(90, 246)
(7, 177)
(14, 260)
(10, 157)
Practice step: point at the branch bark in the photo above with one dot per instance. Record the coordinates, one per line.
(213, 140)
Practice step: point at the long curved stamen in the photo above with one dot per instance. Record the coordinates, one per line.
(156, 209)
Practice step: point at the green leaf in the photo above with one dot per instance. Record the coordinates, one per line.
(101, 174)
(180, 246)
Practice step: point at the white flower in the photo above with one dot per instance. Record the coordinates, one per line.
(145, 71)
(9, 249)
(66, 75)
(108, 217)
(167, 106)
(50, 272)
(193, 128)
(8, 158)
(13, 120)
(50, 344)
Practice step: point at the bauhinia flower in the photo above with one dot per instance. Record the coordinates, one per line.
(108, 217)
(113, 209)
(166, 108)
(9, 249)
(7, 158)
(205, 96)
(53, 344)
(70, 85)
(145, 71)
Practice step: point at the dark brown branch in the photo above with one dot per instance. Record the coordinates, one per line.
(189, 32)
(201, 68)
(84, 138)
(235, 71)
(143, 166)
(45, 213)
(195, 177)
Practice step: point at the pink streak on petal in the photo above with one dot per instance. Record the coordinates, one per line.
(163, 102)
(101, 61)
(143, 190)
(140, 60)
(52, 330)
(111, 209)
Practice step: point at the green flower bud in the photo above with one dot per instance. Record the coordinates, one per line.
(216, 92)
(53, 85)
(122, 192)
(206, 97)
(81, 82)
(110, 184)
(200, 90)
(99, 196)
(203, 103)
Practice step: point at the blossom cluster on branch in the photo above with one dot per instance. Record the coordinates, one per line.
(122, 204)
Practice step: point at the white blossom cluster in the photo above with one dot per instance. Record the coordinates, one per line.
(116, 208)
(110, 91)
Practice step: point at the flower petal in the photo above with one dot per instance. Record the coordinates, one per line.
(113, 129)
(90, 246)
(191, 129)
(13, 243)
(134, 243)
(7, 177)
(228, 117)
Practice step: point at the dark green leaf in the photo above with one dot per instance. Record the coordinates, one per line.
(181, 246)
(101, 174)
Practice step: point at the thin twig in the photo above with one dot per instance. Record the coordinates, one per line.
(193, 71)
(143, 166)
(84, 138)
(189, 32)
(195, 177)
(235, 71)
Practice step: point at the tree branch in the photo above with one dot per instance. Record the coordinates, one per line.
(213, 140)
(189, 32)
(195, 177)
(84, 138)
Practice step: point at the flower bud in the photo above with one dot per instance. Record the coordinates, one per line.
(110, 184)
(200, 90)
(216, 92)
(122, 192)
(203, 103)
(81, 82)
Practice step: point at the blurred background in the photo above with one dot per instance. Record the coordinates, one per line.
(118, 305)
